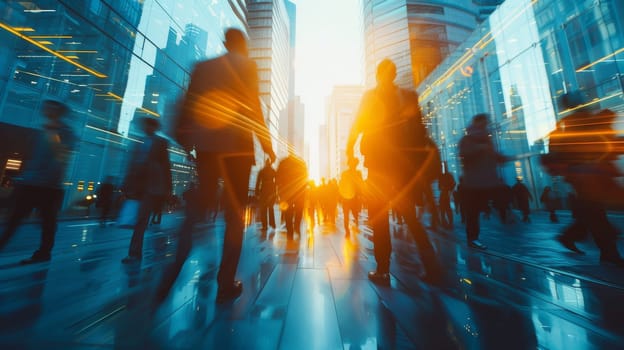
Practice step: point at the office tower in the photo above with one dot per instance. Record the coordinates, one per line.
(341, 111)
(416, 35)
(269, 34)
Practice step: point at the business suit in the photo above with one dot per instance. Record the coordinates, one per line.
(220, 113)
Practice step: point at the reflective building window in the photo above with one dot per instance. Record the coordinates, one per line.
(110, 61)
(515, 66)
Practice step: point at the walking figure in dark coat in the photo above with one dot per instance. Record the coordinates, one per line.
(394, 147)
(148, 180)
(218, 117)
(40, 185)
(523, 196)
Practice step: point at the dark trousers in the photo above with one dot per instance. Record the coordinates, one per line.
(350, 206)
(446, 212)
(105, 209)
(474, 201)
(47, 201)
(234, 170)
(293, 216)
(148, 204)
(431, 203)
(381, 193)
(592, 217)
(266, 208)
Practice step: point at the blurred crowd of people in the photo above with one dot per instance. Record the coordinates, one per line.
(216, 124)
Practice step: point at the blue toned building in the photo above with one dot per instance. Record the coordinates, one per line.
(515, 66)
(110, 61)
(416, 35)
(269, 33)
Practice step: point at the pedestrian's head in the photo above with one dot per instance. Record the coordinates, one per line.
(267, 162)
(149, 125)
(386, 72)
(235, 41)
(54, 109)
(480, 121)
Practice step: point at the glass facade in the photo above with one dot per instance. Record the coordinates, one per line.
(269, 31)
(416, 35)
(515, 66)
(110, 61)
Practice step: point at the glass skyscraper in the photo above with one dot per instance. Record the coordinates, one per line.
(269, 32)
(110, 61)
(416, 35)
(515, 66)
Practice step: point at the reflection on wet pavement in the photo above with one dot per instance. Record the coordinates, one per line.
(311, 293)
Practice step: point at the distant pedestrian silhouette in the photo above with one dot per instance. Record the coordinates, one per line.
(350, 188)
(104, 200)
(549, 200)
(148, 180)
(40, 184)
(292, 181)
(523, 196)
(480, 176)
(217, 118)
(393, 145)
(446, 185)
(265, 194)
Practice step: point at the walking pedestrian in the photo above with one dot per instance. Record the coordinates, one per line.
(480, 177)
(147, 180)
(218, 117)
(40, 185)
(265, 194)
(393, 145)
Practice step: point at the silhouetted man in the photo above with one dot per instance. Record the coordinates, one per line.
(522, 195)
(220, 113)
(265, 193)
(446, 184)
(350, 188)
(105, 199)
(40, 185)
(393, 144)
(480, 178)
(292, 180)
(148, 180)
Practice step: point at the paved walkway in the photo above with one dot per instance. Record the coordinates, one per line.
(311, 293)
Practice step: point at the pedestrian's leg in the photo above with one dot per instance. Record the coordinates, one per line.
(51, 200)
(423, 244)
(379, 221)
(263, 214)
(24, 203)
(136, 243)
(271, 210)
(236, 179)
(289, 217)
(472, 206)
(184, 247)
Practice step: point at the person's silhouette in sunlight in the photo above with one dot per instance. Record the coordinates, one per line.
(217, 118)
(393, 145)
(292, 181)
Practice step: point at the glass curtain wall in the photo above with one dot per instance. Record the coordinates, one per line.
(111, 62)
(515, 66)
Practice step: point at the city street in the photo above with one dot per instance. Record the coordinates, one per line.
(525, 292)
